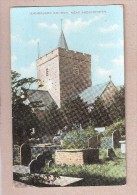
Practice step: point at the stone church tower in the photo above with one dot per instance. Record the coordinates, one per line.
(64, 73)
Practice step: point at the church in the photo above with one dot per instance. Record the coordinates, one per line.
(65, 73)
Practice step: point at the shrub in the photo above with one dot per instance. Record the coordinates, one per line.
(120, 125)
(77, 139)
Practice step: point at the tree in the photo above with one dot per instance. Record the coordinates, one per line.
(117, 106)
(119, 125)
(99, 114)
(53, 120)
(103, 114)
(76, 112)
(23, 116)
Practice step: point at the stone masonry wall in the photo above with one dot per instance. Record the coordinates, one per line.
(48, 73)
(72, 82)
(76, 157)
(69, 73)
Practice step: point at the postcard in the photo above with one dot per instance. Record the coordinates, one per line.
(68, 96)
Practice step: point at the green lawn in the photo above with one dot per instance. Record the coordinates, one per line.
(106, 172)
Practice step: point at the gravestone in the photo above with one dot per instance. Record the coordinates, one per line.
(116, 137)
(35, 166)
(99, 137)
(25, 154)
(93, 142)
(41, 159)
(110, 153)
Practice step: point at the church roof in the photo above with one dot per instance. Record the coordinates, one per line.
(90, 94)
(40, 95)
(62, 41)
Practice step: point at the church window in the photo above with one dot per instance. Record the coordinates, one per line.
(76, 70)
(47, 72)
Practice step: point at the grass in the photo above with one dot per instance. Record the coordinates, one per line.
(106, 172)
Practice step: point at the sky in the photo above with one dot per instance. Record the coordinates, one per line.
(96, 30)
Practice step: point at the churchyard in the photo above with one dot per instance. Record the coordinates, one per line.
(101, 162)
(61, 146)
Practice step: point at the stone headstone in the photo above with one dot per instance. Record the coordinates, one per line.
(116, 136)
(93, 142)
(41, 159)
(25, 154)
(35, 166)
(99, 136)
(110, 153)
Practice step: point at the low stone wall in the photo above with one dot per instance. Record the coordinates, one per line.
(77, 157)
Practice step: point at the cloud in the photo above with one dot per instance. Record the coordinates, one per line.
(111, 28)
(118, 61)
(13, 59)
(16, 38)
(95, 57)
(33, 41)
(117, 44)
(45, 25)
(99, 71)
(29, 71)
(103, 72)
(79, 23)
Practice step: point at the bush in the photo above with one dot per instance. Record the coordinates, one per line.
(77, 139)
(120, 125)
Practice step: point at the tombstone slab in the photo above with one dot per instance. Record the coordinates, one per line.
(21, 169)
(45, 180)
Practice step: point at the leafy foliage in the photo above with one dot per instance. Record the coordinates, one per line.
(120, 125)
(72, 113)
(76, 112)
(105, 115)
(99, 114)
(53, 120)
(23, 116)
(117, 107)
(78, 139)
